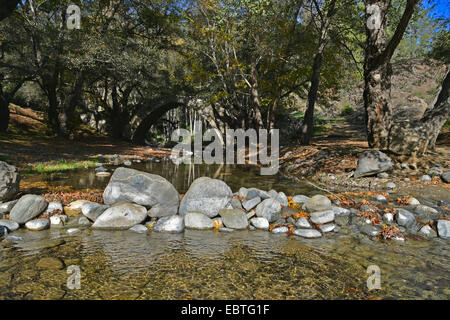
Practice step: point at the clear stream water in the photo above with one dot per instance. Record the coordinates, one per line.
(216, 265)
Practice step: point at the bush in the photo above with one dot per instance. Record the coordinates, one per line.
(347, 111)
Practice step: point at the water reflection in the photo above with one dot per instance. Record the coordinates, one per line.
(181, 176)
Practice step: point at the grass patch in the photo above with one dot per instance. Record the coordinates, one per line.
(4, 157)
(59, 166)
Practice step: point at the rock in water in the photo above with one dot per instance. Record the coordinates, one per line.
(405, 218)
(146, 189)
(446, 177)
(372, 162)
(443, 228)
(28, 207)
(207, 196)
(139, 228)
(234, 218)
(260, 223)
(38, 224)
(11, 225)
(197, 220)
(307, 233)
(9, 181)
(93, 210)
(122, 215)
(50, 263)
(269, 209)
(173, 224)
(318, 203)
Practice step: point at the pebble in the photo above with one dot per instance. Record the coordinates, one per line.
(425, 178)
(307, 233)
(139, 228)
(73, 230)
(280, 230)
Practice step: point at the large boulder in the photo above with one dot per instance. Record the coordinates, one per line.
(9, 181)
(146, 189)
(207, 196)
(28, 207)
(372, 162)
(122, 215)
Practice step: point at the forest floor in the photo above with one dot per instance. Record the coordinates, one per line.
(328, 161)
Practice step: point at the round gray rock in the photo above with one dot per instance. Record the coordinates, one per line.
(260, 223)
(318, 203)
(322, 217)
(372, 162)
(38, 224)
(234, 218)
(207, 196)
(28, 207)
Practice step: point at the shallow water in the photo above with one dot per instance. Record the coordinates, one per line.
(215, 265)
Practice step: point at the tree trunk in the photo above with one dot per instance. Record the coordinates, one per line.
(306, 130)
(412, 139)
(308, 120)
(378, 71)
(4, 114)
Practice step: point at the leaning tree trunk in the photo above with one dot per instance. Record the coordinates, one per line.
(411, 139)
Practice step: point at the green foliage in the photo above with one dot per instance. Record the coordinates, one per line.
(59, 166)
(347, 110)
(441, 46)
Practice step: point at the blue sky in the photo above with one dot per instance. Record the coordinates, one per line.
(441, 8)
